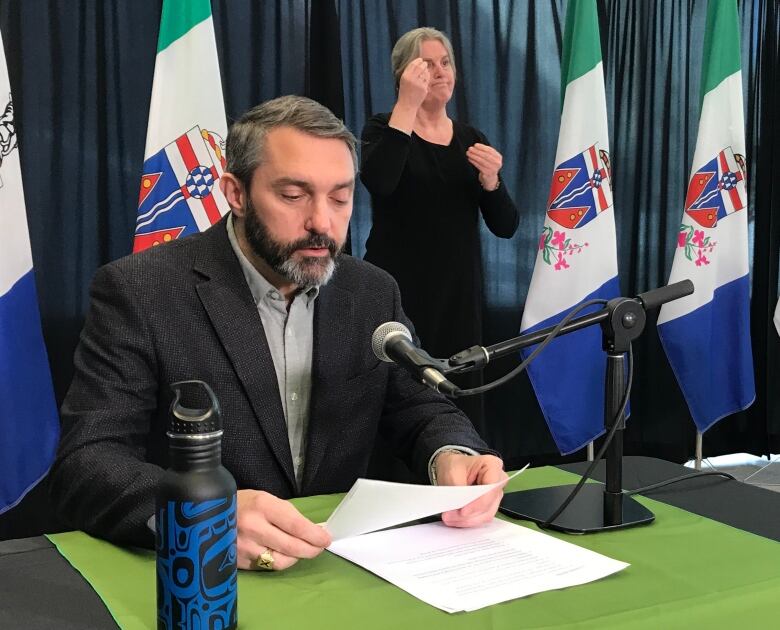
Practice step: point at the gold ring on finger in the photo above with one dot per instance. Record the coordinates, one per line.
(265, 561)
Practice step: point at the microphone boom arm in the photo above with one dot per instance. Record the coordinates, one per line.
(476, 357)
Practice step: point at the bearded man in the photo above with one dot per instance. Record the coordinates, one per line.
(265, 309)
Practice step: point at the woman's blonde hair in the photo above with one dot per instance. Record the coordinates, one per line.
(408, 45)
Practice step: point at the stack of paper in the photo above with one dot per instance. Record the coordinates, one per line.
(467, 569)
(450, 568)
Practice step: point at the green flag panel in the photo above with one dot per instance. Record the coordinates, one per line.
(581, 43)
(721, 44)
(178, 17)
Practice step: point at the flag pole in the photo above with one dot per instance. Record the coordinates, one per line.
(590, 451)
(699, 441)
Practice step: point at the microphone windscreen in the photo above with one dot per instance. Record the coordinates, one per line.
(660, 296)
(379, 338)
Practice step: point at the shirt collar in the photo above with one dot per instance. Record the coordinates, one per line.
(261, 288)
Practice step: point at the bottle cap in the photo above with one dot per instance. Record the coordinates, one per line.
(186, 421)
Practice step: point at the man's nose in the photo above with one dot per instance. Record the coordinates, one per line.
(319, 216)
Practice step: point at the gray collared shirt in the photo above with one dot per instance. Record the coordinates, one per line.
(290, 336)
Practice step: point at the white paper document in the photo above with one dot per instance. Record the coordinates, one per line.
(371, 505)
(467, 569)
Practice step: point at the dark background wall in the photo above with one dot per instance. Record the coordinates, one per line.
(81, 74)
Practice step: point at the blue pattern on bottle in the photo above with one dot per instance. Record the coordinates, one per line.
(196, 564)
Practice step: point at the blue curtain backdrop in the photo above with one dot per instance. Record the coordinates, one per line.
(81, 72)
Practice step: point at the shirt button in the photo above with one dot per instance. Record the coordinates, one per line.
(294, 396)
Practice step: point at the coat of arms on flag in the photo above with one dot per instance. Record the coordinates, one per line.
(717, 189)
(580, 189)
(180, 192)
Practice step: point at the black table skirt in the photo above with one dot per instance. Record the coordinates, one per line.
(738, 504)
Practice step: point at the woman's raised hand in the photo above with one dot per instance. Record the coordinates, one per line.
(413, 85)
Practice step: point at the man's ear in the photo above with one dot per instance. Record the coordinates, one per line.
(234, 193)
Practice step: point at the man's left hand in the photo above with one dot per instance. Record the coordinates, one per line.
(454, 469)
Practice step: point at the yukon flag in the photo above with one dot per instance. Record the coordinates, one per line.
(577, 257)
(707, 335)
(184, 156)
(29, 424)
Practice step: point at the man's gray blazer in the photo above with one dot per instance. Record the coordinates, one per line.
(184, 311)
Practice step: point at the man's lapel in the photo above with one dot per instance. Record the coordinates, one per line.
(226, 297)
(333, 328)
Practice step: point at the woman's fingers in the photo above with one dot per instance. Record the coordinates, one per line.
(413, 85)
(484, 158)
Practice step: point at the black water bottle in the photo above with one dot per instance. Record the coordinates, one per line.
(196, 522)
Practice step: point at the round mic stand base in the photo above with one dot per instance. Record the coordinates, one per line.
(597, 507)
(591, 511)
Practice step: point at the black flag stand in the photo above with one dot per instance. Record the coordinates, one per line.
(597, 507)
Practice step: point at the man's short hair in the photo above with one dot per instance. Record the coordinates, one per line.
(407, 49)
(246, 138)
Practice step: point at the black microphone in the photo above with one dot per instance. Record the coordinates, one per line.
(657, 297)
(392, 342)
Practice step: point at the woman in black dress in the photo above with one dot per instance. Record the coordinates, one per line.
(429, 178)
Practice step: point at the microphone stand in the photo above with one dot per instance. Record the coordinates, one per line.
(596, 507)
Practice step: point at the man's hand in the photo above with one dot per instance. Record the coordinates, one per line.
(266, 522)
(454, 469)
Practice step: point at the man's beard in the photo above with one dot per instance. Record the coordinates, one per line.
(308, 271)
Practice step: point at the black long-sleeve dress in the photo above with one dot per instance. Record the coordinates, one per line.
(426, 200)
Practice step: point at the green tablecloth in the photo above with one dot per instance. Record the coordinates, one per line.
(686, 572)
